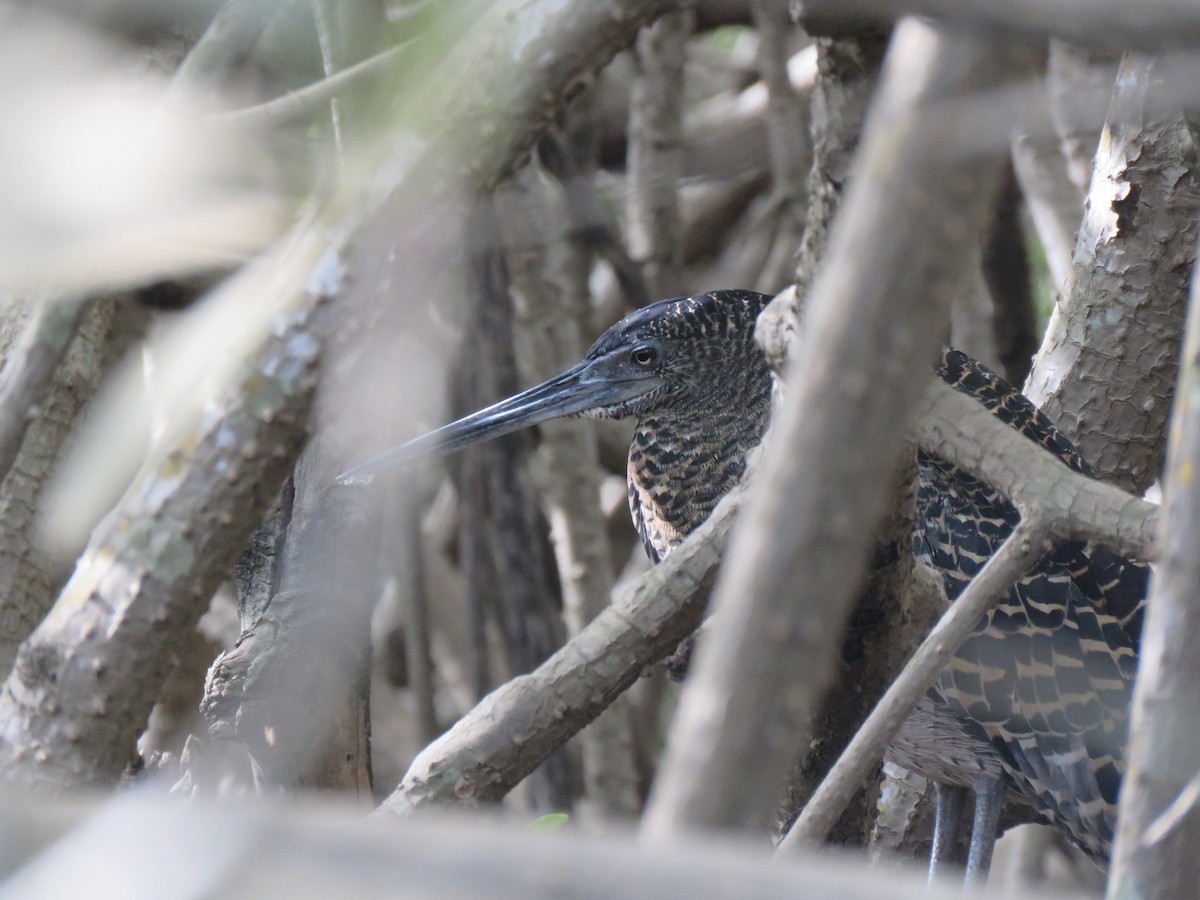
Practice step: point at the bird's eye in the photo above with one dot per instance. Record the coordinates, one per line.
(643, 356)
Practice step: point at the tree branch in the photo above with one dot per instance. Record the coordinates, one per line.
(656, 153)
(877, 308)
(1020, 551)
(85, 681)
(1159, 824)
(1073, 506)
(508, 735)
(1107, 365)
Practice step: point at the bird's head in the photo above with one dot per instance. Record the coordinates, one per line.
(673, 353)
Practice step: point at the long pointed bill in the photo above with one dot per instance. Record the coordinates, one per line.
(563, 395)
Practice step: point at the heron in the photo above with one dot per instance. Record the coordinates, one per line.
(1033, 706)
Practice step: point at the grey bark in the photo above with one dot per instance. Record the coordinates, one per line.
(520, 723)
(1107, 366)
(51, 373)
(656, 153)
(292, 690)
(85, 681)
(1158, 829)
(29, 368)
(795, 566)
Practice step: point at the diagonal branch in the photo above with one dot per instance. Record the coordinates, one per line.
(794, 570)
(1015, 557)
(516, 726)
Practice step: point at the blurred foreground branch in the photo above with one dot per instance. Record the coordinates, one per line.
(1149, 25)
(85, 681)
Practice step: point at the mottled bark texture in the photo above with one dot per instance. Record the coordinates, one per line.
(847, 69)
(877, 308)
(52, 370)
(656, 153)
(85, 681)
(1158, 830)
(1107, 365)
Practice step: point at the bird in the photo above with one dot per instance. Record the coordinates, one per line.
(1034, 703)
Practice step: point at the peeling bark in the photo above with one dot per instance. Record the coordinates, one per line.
(1107, 366)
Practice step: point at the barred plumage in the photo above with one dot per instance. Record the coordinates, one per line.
(1048, 674)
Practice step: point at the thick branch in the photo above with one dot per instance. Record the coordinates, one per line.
(85, 681)
(1159, 825)
(1115, 24)
(877, 307)
(1107, 367)
(29, 369)
(258, 851)
(43, 415)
